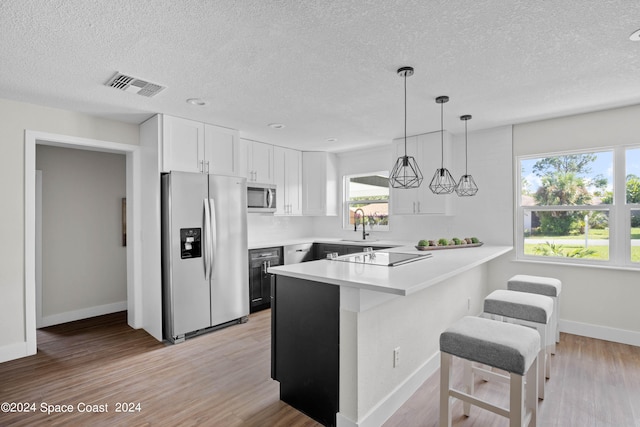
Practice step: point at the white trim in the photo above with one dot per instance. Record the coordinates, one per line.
(38, 240)
(395, 399)
(134, 268)
(84, 313)
(606, 333)
(14, 351)
(29, 245)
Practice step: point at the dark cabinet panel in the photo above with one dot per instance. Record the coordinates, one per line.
(306, 346)
(322, 249)
(259, 280)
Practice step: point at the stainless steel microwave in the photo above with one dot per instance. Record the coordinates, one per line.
(261, 197)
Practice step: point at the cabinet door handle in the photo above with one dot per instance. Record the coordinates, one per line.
(201, 166)
(414, 207)
(418, 207)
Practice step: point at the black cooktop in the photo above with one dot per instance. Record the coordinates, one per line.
(386, 259)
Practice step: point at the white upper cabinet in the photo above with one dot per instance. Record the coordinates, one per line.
(288, 179)
(221, 150)
(182, 145)
(426, 150)
(319, 184)
(191, 146)
(258, 161)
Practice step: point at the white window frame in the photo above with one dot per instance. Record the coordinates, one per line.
(345, 201)
(619, 213)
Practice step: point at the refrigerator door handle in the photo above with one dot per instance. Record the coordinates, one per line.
(213, 237)
(207, 239)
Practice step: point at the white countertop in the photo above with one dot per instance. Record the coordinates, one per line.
(336, 240)
(399, 280)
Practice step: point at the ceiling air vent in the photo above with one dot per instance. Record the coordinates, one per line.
(131, 84)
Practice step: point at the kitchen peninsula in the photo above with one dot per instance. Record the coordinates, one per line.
(352, 341)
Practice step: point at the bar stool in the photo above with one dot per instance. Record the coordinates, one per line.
(512, 348)
(548, 286)
(529, 310)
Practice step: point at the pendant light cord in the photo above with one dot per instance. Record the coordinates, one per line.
(441, 135)
(466, 157)
(405, 114)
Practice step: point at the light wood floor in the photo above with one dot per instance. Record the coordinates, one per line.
(223, 379)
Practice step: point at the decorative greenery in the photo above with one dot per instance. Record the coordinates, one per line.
(455, 241)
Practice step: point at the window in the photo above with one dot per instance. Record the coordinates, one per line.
(632, 199)
(368, 193)
(572, 207)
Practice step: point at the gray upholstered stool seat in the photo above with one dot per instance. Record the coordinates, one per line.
(548, 286)
(519, 305)
(505, 346)
(525, 309)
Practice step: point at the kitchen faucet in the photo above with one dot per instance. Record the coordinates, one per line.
(355, 223)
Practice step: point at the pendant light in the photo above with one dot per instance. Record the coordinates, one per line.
(442, 181)
(405, 172)
(466, 186)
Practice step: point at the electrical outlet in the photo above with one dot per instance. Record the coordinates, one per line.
(396, 357)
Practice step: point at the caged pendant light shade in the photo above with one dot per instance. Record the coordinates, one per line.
(442, 181)
(466, 185)
(405, 172)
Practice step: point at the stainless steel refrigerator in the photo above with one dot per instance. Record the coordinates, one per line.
(204, 253)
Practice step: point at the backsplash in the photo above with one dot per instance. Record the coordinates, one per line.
(267, 227)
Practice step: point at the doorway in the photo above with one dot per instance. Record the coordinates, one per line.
(81, 264)
(134, 287)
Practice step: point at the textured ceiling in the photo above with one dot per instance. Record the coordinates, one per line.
(324, 68)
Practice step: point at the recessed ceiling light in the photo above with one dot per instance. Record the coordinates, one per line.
(332, 139)
(635, 36)
(276, 126)
(197, 101)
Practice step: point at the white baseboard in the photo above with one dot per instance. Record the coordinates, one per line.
(14, 351)
(600, 332)
(394, 400)
(70, 316)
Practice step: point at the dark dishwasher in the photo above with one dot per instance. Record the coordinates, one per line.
(259, 280)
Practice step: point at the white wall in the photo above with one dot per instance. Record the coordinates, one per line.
(15, 118)
(597, 302)
(413, 324)
(269, 227)
(488, 215)
(84, 265)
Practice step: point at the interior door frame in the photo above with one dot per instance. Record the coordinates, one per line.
(134, 242)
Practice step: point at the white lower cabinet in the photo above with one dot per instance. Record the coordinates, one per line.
(426, 150)
(287, 164)
(294, 254)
